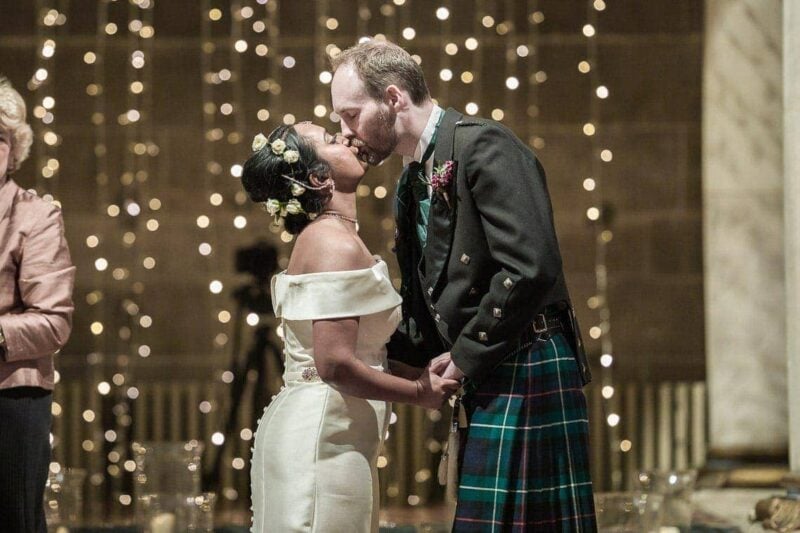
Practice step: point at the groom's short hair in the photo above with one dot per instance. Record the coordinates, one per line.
(382, 63)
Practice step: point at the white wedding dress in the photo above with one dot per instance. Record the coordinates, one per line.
(314, 461)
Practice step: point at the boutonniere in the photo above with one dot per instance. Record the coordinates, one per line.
(442, 177)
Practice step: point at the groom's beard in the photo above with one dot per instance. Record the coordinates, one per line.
(382, 138)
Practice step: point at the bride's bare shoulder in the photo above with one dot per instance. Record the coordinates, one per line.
(327, 246)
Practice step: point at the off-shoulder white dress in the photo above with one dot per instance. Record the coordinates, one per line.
(316, 449)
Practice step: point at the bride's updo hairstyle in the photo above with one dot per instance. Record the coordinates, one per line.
(278, 174)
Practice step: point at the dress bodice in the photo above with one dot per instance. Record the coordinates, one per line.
(367, 293)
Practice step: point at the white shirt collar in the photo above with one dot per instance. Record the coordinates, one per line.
(425, 138)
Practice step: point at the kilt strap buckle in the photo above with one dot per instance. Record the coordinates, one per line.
(539, 323)
(543, 323)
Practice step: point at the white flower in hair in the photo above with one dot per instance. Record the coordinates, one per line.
(312, 216)
(291, 156)
(293, 207)
(278, 146)
(272, 206)
(297, 189)
(259, 142)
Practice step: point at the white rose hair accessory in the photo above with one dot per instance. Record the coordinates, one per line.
(293, 207)
(274, 206)
(259, 142)
(278, 146)
(297, 189)
(291, 156)
(279, 209)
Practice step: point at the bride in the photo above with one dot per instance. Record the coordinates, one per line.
(317, 444)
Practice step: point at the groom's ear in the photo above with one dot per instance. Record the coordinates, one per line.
(395, 97)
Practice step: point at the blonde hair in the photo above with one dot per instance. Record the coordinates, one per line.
(12, 118)
(383, 63)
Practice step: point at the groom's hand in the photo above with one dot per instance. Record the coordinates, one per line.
(452, 372)
(434, 389)
(439, 363)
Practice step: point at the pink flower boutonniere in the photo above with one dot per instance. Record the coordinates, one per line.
(441, 179)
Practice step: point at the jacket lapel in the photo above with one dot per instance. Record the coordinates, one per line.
(441, 219)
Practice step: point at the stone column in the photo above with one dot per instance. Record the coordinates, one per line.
(743, 229)
(791, 184)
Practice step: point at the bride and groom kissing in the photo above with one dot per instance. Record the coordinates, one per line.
(483, 312)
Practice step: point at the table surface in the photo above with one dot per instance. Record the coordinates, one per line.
(732, 506)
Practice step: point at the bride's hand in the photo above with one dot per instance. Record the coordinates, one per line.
(433, 390)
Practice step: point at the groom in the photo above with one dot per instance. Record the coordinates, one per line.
(482, 279)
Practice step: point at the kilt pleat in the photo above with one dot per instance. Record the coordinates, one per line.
(524, 457)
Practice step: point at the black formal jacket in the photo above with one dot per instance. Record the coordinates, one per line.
(491, 261)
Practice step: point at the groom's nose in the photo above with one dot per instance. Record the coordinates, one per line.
(347, 133)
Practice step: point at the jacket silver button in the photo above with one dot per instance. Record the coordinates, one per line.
(430, 291)
(465, 259)
(497, 312)
(483, 336)
(508, 283)
(437, 318)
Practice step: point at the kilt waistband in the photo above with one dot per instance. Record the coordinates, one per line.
(545, 324)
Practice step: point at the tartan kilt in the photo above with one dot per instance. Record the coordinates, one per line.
(524, 457)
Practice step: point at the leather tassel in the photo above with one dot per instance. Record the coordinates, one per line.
(453, 443)
(462, 416)
(448, 465)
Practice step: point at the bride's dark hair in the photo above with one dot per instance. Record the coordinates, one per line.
(268, 176)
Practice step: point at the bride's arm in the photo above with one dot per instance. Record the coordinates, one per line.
(326, 247)
(403, 370)
(334, 349)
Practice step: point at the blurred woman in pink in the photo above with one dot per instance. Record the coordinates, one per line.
(36, 280)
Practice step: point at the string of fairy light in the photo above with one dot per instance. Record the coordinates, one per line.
(139, 149)
(96, 298)
(213, 170)
(47, 140)
(600, 216)
(533, 76)
(225, 120)
(48, 20)
(106, 439)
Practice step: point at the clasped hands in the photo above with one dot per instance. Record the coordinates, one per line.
(439, 380)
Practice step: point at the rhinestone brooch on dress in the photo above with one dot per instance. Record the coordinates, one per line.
(310, 374)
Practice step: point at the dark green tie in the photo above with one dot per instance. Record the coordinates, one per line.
(419, 193)
(418, 182)
(412, 208)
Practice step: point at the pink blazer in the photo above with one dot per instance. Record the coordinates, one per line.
(36, 281)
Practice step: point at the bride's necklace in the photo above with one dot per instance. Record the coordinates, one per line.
(340, 216)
